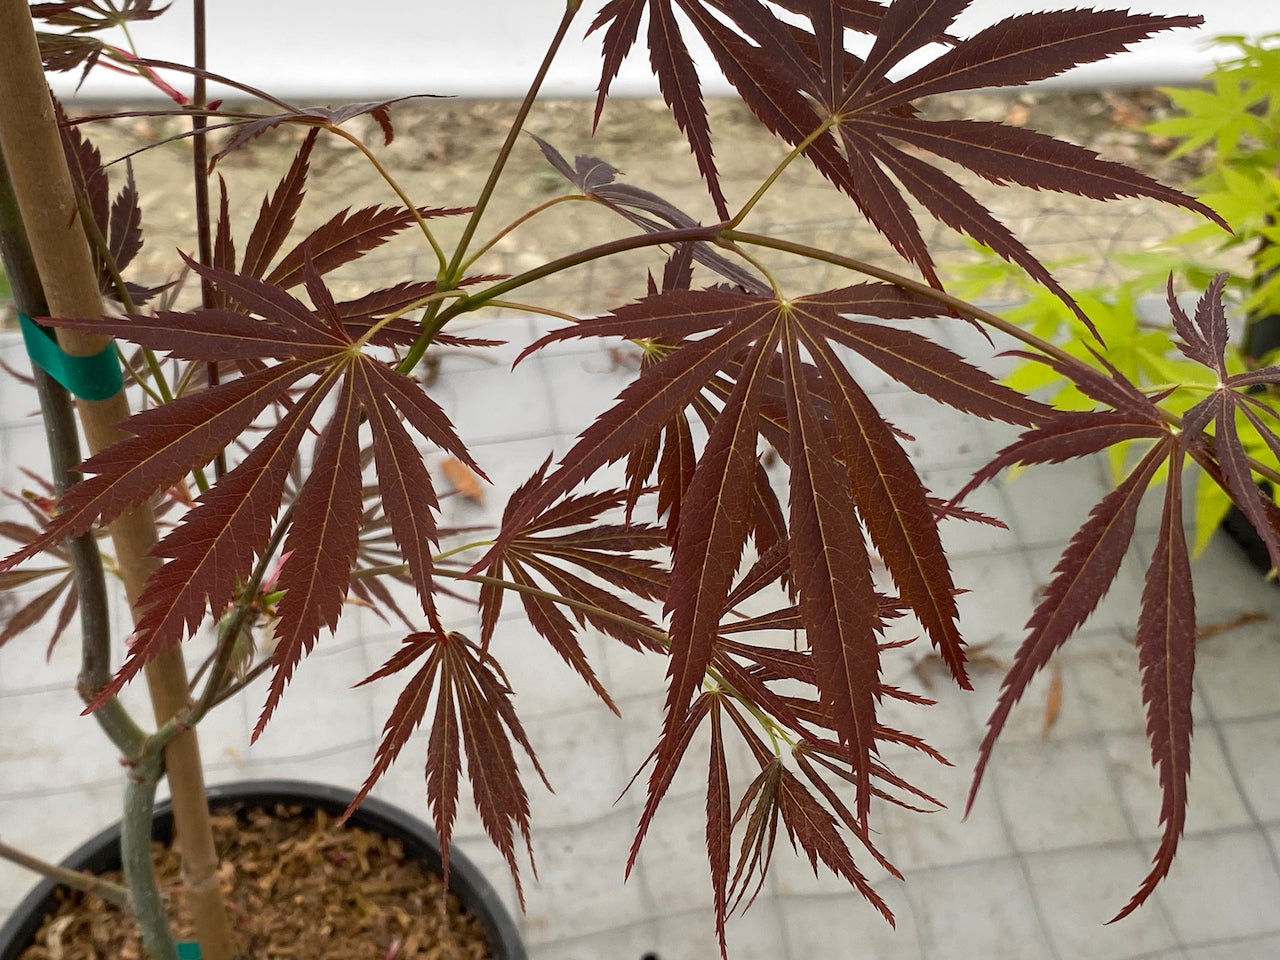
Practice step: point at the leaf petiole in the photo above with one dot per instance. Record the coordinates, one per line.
(769, 181)
(399, 190)
(454, 270)
(517, 222)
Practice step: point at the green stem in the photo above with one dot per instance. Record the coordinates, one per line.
(432, 326)
(532, 308)
(454, 551)
(84, 882)
(519, 221)
(135, 855)
(432, 301)
(454, 269)
(434, 320)
(599, 252)
(63, 442)
(399, 191)
(796, 151)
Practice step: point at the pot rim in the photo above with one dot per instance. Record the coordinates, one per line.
(466, 880)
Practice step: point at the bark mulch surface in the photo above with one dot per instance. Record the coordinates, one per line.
(296, 886)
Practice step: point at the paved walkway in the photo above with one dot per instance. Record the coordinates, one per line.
(1059, 838)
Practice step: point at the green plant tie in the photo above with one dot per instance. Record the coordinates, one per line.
(188, 950)
(95, 377)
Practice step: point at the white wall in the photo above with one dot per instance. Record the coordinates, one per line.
(490, 48)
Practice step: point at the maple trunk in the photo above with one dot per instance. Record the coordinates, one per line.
(42, 184)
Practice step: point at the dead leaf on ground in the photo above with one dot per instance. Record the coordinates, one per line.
(463, 478)
(1053, 703)
(1226, 626)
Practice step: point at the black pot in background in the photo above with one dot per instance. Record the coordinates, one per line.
(465, 879)
(1262, 335)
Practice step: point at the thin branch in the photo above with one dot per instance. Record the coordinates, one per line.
(500, 161)
(63, 442)
(75, 879)
(135, 851)
(230, 628)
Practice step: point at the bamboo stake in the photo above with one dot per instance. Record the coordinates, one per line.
(37, 166)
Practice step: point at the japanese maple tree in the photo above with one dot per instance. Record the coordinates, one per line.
(272, 369)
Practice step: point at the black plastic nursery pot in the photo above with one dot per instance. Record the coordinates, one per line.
(1262, 336)
(102, 853)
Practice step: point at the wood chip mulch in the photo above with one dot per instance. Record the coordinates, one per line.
(297, 887)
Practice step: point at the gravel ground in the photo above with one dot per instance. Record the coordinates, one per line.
(443, 148)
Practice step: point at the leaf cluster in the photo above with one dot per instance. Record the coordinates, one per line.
(1233, 128)
(301, 420)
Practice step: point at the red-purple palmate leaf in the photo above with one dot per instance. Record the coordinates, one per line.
(832, 571)
(1032, 46)
(404, 485)
(892, 503)
(758, 391)
(778, 42)
(35, 610)
(808, 823)
(1069, 436)
(124, 238)
(570, 535)
(1081, 578)
(756, 850)
(714, 524)
(232, 523)
(672, 65)
(795, 80)
(801, 753)
(224, 244)
(169, 441)
(623, 19)
(663, 772)
(83, 16)
(1166, 642)
(1205, 341)
(61, 52)
(346, 236)
(278, 213)
(930, 368)
(248, 130)
(117, 223)
(545, 617)
(473, 715)
(661, 391)
(672, 455)
(719, 827)
(224, 533)
(369, 317)
(768, 524)
(321, 545)
(777, 793)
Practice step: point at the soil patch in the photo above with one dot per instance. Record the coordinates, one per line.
(298, 887)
